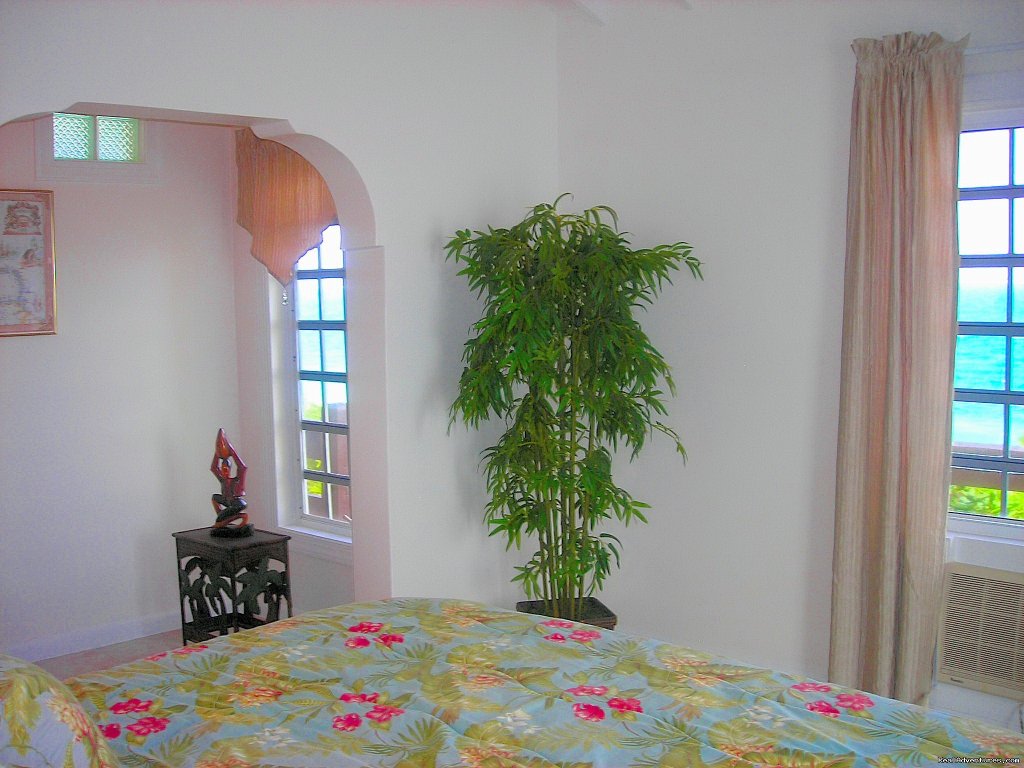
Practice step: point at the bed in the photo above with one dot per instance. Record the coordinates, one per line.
(418, 683)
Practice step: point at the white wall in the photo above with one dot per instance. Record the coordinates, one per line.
(448, 112)
(727, 125)
(108, 426)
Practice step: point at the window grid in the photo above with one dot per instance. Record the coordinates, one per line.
(988, 409)
(322, 365)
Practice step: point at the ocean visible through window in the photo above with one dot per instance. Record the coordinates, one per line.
(988, 377)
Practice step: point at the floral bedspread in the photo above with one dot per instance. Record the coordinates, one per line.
(411, 683)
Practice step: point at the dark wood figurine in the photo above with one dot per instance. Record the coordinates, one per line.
(228, 467)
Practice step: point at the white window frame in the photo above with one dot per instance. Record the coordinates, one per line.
(318, 536)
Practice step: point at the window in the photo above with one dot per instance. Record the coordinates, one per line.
(988, 376)
(322, 364)
(88, 137)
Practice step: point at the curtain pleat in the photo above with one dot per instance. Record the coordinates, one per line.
(283, 202)
(892, 474)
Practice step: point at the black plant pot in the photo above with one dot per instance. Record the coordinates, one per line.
(595, 612)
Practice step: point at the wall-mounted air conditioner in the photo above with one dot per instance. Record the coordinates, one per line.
(981, 635)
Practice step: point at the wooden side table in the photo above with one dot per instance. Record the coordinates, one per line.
(228, 584)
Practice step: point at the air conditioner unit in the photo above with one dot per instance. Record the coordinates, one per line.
(981, 634)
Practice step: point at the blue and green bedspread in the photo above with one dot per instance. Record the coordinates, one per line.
(413, 683)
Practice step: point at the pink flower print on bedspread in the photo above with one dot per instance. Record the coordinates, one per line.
(362, 698)
(148, 725)
(822, 708)
(189, 649)
(589, 712)
(815, 687)
(366, 627)
(626, 705)
(382, 713)
(131, 705)
(588, 690)
(558, 623)
(855, 701)
(347, 722)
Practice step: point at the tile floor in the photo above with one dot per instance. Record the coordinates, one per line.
(95, 659)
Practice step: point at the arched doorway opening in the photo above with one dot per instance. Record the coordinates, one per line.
(109, 417)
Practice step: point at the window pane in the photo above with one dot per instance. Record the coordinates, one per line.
(307, 298)
(1018, 157)
(984, 226)
(1017, 431)
(984, 158)
(981, 297)
(314, 445)
(117, 139)
(980, 362)
(316, 500)
(1017, 364)
(309, 351)
(341, 503)
(337, 452)
(1015, 499)
(72, 137)
(308, 260)
(1018, 223)
(978, 428)
(337, 402)
(1018, 296)
(334, 351)
(976, 492)
(333, 289)
(312, 405)
(330, 251)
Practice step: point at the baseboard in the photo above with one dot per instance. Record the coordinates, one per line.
(95, 637)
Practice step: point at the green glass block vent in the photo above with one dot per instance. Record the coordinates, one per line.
(84, 137)
(72, 137)
(117, 139)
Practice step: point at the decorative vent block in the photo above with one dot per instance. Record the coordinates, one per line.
(99, 137)
(117, 139)
(72, 137)
(981, 635)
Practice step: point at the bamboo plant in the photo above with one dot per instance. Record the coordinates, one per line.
(560, 357)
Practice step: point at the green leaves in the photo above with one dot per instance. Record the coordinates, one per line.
(559, 357)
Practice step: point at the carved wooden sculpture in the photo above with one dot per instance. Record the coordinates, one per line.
(228, 467)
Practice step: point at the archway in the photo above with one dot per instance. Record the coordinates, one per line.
(371, 570)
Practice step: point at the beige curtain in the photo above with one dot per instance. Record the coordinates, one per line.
(282, 201)
(896, 390)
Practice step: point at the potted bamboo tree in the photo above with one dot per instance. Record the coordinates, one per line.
(559, 356)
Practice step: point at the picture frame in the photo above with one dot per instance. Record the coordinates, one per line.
(27, 263)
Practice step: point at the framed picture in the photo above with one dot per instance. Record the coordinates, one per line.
(27, 275)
